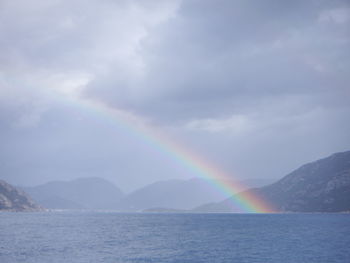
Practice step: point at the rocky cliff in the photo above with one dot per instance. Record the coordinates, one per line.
(14, 199)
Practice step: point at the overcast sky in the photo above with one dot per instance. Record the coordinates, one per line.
(257, 88)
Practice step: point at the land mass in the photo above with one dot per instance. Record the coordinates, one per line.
(320, 186)
(80, 194)
(14, 199)
(100, 194)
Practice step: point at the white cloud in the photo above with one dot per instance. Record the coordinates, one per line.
(236, 125)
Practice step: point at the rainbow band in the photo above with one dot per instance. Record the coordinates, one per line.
(245, 202)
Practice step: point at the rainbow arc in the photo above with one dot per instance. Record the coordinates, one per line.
(245, 203)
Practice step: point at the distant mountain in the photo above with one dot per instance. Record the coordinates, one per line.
(320, 186)
(99, 194)
(83, 193)
(175, 194)
(14, 199)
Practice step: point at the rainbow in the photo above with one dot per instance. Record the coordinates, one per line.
(243, 203)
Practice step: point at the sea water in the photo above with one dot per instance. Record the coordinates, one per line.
(114, 237)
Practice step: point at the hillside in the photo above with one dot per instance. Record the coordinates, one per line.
(83, 193)
(174, 194)
(14, 199)
(99, 194)
(177, 194)
(320, 186)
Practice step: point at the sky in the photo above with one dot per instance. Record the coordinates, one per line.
(255, 88)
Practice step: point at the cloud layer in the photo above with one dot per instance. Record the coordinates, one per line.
(241, 82)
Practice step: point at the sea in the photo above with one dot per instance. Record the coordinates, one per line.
(82, 237)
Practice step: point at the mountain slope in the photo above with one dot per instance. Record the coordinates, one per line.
(175, 194)
(14, 199)
(83, 193)
(320, 186)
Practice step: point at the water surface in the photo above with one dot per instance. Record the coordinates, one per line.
(113, 237)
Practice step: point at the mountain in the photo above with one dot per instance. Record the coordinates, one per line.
(14, 199)
(175, 194)
(320, 186)
(83, 193)
(97, 194)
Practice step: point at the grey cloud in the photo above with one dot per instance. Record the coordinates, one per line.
(66, 35)
(241, 82)
(214, 56)
(70, 143)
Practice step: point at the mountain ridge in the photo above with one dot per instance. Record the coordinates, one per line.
(319, 186)
(174, 194)
(83, 193)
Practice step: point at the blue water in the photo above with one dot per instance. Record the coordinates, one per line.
(112, 237)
